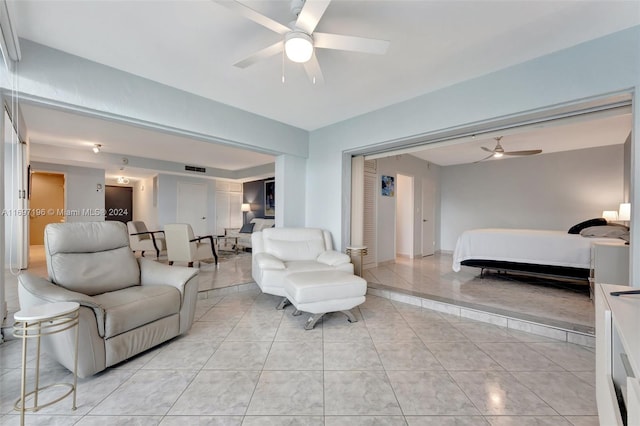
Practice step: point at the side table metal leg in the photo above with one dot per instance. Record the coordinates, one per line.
(75, 364)
(24, 374)
(35, 396)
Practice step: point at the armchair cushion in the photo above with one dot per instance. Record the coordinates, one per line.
(293, 243)
(247, 228)
(333, 258)
(268, 261)
(81, 257)
(136, 306)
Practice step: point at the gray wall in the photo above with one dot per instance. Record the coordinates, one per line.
(253, 193)
(81, 189)
(548, 191)
(603, 66)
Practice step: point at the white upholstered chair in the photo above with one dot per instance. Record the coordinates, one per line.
(183, 246)
(141, 239)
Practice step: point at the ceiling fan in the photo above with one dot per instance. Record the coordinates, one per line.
(299, 40)
(499, 151)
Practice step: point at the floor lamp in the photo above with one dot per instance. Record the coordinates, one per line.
(246, 207)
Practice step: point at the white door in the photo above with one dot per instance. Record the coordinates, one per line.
(15, 198)
(404, 216)
(428, 217)
(192, 206)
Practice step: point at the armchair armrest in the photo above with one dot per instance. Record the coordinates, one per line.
(268, 261)
(333, 258)
(154, 273)
(213, 246)
(153, 237)
(46, 291)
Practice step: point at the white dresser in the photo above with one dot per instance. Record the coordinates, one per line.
(610, 263)
(617, 356)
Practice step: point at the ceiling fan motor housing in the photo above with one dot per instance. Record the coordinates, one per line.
(296, 6)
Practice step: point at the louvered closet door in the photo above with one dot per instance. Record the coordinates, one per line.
(370, 219)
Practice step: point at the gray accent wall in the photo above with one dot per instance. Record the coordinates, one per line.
(547, 191)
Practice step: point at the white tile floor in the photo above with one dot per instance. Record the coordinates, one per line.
(541, 300)
(245, 363)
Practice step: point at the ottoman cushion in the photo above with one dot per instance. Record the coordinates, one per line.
(319, 286)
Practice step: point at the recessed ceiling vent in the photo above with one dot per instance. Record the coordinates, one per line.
(195, 169)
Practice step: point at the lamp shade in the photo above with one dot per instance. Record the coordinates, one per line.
(246, 207)
(625, 211)
(610, 215)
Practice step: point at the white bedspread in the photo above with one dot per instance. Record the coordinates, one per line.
(556, 248)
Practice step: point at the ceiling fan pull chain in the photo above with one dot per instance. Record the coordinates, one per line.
(282, 66)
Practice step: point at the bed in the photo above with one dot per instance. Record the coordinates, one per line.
(555, 253)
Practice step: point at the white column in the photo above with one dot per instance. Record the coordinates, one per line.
(634, 198)
(357, 200)
(291, 176)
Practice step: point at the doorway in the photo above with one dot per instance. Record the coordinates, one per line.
(47, 196)
(118, 203)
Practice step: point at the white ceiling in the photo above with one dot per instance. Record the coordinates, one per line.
(587, 132)
(56, 128)
(192, 44)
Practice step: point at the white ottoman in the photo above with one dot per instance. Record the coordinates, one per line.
(320, 292)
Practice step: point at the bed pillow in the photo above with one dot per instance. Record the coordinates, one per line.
(607, 231)
(599, 221)
(247, 228)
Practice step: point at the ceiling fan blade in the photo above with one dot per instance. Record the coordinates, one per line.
(485, 158)
(312, 68)
(267, 52)
(487, 149)
(255, 16)
(311, 14)
(529, 152)
(350, 43)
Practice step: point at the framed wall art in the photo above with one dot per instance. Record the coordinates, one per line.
(270, 198)
(388, 186)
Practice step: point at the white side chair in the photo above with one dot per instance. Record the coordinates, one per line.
(141, 239)
(183, 246)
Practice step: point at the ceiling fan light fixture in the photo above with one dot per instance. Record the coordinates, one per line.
(298, 46)
(96, 148)
(497, 154)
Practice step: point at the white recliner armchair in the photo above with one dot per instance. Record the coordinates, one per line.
(127, 305)
(278, 252)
